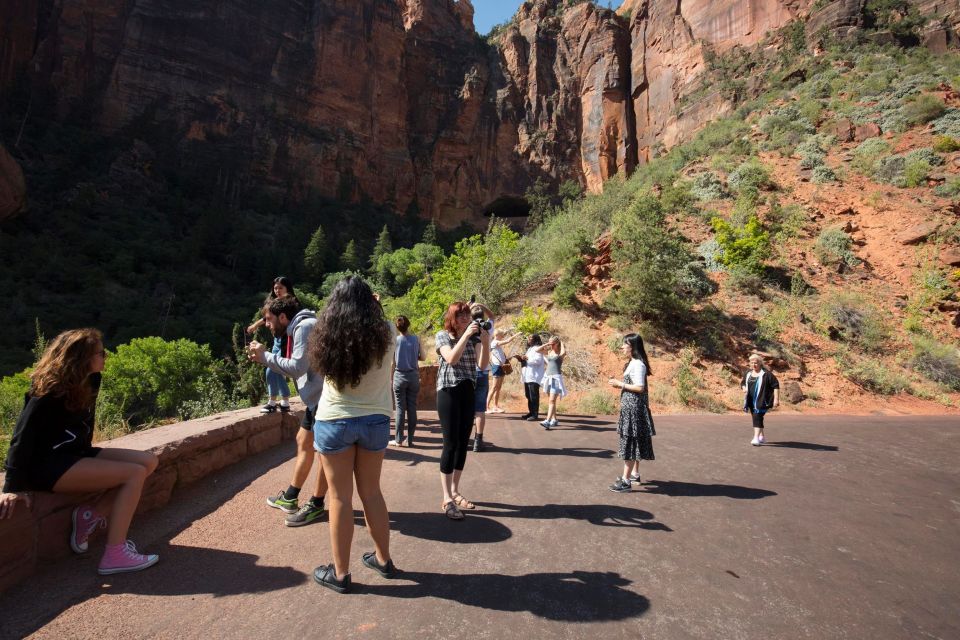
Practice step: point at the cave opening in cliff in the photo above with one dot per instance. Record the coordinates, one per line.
(508, 207)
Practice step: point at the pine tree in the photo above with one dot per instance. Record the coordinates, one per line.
(315, 256)
(383, 247)
(430, 234)
(350, 260)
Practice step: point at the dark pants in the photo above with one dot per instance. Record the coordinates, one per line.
(757, 420)
(455, 409)
(406, 387)
(532, 391)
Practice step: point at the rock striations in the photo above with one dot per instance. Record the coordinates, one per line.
(394, 101)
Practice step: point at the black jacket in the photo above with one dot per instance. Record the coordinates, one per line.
(46, 428)
(768, 382)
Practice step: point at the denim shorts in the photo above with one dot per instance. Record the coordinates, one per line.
(480, 391)
(368, 432)
(496, 371)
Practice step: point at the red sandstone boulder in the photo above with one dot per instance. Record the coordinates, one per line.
(865, 131)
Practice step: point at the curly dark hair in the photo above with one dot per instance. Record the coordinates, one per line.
(351, 333)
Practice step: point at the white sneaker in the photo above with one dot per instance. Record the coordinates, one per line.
(755, 442)
(761, 439)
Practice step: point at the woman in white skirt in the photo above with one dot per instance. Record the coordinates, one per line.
(552, 382)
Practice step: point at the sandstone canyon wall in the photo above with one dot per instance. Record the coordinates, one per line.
(394, 101)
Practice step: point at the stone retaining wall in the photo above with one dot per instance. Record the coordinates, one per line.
(188, 451)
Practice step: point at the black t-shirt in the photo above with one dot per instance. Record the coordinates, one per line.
(47, 428)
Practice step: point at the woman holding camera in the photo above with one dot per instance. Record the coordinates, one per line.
(463, 347)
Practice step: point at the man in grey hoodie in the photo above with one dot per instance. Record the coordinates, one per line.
(284, 315)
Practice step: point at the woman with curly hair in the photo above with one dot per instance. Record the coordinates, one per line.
(464, 348)
(352, 347)
(52, 450)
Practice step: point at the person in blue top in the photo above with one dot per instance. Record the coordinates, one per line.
(406, 381)
(761, 392)
(277, 388)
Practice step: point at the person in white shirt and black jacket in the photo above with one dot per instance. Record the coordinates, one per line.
(761, 391)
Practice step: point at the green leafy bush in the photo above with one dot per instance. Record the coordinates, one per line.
(689, 385)
(949, 189)
(936, 361)
(785, 128)
(834, 246)
(923, 108)
(868, 153)
(648, 260)
(707, 186)
(745, 246)
(946, 144)
(399, 270)
(532, 320)
(570, 282)
(813, 150)
(150, 378)
(747, 281)
(908, 169)
(599, 403)
(751, 176)
(873, 375)
(850, 317)
(948, 124)
(822, 174)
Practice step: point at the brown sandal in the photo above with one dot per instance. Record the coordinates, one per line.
(463, 503)
(450, 510)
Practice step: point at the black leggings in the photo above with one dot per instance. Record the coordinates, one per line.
(455, 409)
(532, 391)
(757, 420)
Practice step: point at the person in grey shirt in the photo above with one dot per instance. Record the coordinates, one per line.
(406, 381)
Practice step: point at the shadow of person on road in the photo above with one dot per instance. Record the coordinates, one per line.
(475, 529)
(603, 515)
(695, 490)
(188, 570)
(579, 596)
(810, 446)
(576, 452)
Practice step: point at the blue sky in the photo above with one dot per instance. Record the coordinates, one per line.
(490, 12)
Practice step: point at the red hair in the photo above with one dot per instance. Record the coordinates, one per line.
(450, 318)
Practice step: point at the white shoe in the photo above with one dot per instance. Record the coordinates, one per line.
(761, 439)
(755, 442)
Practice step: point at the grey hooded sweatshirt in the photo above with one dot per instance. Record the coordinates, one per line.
(297, 366)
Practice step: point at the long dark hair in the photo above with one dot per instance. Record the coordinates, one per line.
(351, 333)
(637, 352)
(285, 281)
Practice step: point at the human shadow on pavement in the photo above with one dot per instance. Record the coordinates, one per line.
(185, 570)
(810, 446)
(578, 596)
(576, 452)
(474, 529)
(695, 490)
(604, 515)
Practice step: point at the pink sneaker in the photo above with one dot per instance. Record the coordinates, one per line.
(124, 558)
(85, 522)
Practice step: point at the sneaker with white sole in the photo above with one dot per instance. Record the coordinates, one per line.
(308, 514)
(280, 501)
(620, 486)
(634, 478)
(755, 442)
(554, 422)
(124, 559)
(761, 439)
(85, 522)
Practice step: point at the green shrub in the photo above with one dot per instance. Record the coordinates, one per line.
(873, 375)
(532, 320)
(689, 385)
(710, 252)
(946, 144)
(948, 124)
(853, 319)
(868, 153)
(785, 128)
(834, 246)
(774, 321)
(915, 173)
(747, 281)
(813, 150)
(570, 282)
(949, 189)
(12, 390)
(786, 222)
(707, 186)
(149, 379)
(648, 260)
(745, 246)
(936, 361)
(909, 169)
(751, 176)
(923, 108)
(822, 174)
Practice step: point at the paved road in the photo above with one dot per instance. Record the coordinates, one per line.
(841, 528)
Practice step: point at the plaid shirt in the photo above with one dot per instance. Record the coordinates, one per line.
(450, 375)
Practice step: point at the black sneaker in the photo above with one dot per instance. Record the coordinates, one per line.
(385, 570)
(620, 486)
(284, 408)
(532, 419)
(635, 478)
(478, 442)
(308, 514)
(326, 576)
(268, 408)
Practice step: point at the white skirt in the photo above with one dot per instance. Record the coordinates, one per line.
(553, 384)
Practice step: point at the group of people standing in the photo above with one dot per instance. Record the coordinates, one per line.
(352, 368)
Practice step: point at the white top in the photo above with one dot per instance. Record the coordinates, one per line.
(497, 356)
(373, 396)
(637, 372)
(536, 363)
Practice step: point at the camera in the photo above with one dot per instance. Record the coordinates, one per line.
(477, 317)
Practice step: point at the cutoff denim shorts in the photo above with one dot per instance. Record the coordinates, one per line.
(368, 432)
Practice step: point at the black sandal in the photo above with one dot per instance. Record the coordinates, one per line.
(385, 570)
(326, 576)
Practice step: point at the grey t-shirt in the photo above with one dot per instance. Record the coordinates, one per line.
(554, 363)
(408, 348)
